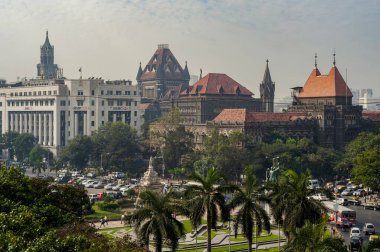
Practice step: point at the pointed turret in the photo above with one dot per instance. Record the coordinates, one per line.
(267, 88)
(139, 73)
(46, 69)
(47, 42)
(186, 74)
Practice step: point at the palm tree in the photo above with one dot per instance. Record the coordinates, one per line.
(312, 238)
(291, 203)
(155, 217)
(250, 211)
(206, 198)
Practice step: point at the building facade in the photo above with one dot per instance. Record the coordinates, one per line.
(55, 111)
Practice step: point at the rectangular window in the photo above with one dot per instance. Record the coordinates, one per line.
(102, 92)
(102, 102)
(135, 113)
(51, 102)
(110, 103)
(25, 94)
(68, 103)
(134, 92)
(92, 103)
(46, 102)
(92, 92)
(102, 122)
(134, 123)
(80, 103)
(22, 103)
(68, 123)
(44, 92)
(118, 92)
(92, 123)
(119, 103)
(63, 103)
(68, 133)
(30, 93)
(135, 103)
(102, 112)
(92, 113)
(68, 113)
(39, 92)
(109, 92)
(55, 92)
(80, 92)
(49, 92)
(1, 104)
(41, 103)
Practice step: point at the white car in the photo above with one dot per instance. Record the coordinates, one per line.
(109, 186)
(355, 231)
(117, 187)
(320, 196)
(98, 185)
(93, 197)
(90, 184)
(369, 228)
(347, 192)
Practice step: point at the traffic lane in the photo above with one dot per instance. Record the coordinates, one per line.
(363, 216)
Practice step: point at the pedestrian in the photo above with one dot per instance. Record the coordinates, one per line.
(105, 220)
(102, 222)
(122, 219)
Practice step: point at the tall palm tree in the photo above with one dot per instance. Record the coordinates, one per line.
(291, 203)
(250, 212)
(313, 238)
(207, 198)
(155, 217)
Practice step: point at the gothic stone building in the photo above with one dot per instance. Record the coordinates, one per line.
(46, 69)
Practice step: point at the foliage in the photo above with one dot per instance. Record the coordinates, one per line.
(108, 206)
(117, 144)
(362, 159)
(40, 157)
(155, 217)
(372, 246)
(23, 144)
(206, 198)
(226, 153)
(8, 139)
(249, 213)
(78, 151)
(291, 203)
(312, 238)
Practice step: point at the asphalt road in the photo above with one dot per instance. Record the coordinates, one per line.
(363, 216)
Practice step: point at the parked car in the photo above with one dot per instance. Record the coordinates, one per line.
(342, 201)
(115, 195)
(117, 187)
(93, 197)
(90, 184)
(369, 228)
(355, 232)
(109, 186)
(347, 192)
(320, 196)
(98, 185)
(373, 237)
(359, 192)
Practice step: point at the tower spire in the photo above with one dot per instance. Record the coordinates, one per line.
(315, 61)
(334, 62)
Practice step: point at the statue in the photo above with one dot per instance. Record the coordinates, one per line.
(273, 172)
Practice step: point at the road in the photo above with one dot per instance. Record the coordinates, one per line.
(363, 216)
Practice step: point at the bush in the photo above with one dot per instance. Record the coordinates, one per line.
(108, 206)
(125, 203)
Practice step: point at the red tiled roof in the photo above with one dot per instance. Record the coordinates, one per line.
(144, 106)
(217, 83)
(371, 115)
(244, 115)
(163, 64)
(330, 85)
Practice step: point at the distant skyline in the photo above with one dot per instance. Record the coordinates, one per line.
(109, 38)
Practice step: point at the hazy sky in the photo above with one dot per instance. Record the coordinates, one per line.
(108, 38)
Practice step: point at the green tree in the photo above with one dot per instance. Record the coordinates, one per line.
(206, 198)
(23, 144)
(312, 237)
(291, 202)
(78, 151)
(8, 139)
(362, 159)
(249, 212)
(40, 157)
(155, 217)
(227, 153)
(117, 144)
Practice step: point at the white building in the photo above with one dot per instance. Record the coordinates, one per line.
(55, 111)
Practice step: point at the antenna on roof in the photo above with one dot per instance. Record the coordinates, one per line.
(346, 80)
(200, 73)
(334, 58)
(315, 60)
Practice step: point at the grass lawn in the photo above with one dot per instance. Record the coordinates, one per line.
(100, 214)
(260, 238)
(188, 227)
(110, 232)
(225, 248)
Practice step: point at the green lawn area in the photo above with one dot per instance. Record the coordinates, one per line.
(109, 232)
(260, 238)
(187, 225)
(225, 248)
(100, 214)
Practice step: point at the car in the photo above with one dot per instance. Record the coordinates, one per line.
(86, 181)
(90, 184)
(342, 201)
(369, 228)
(117, 187)
(98, 185)
(355, 232)
(359, 192)
(109, 186)
(355, 244)
(373, 237)
(93, 197)
(352, 186)
(347, 192)
(319, 196)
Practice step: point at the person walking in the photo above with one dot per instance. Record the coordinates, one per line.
(102, 222)
(105, 220)
(122, 219)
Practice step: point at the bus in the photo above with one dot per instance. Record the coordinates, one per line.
(343, 216)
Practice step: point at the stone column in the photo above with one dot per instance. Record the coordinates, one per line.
(16, 122)
(51, 129)
(30, 123)
(84, 124)
(25, 123)
(114, 117)
(123, 117)
(12, 126)
(45, 139)
(75, 124)
(40, 128)
(35, 124)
